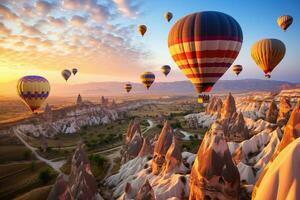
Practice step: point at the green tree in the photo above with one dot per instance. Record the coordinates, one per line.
(44, 176)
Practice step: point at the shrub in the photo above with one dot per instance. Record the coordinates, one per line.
(44, 176)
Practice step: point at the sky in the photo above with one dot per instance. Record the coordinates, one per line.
(100, 38)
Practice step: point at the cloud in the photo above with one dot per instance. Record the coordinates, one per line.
(127, 7)
(4, 30)
(57, 22)
(44, 7)
(31, 30)
(77, 20)
(7, 14)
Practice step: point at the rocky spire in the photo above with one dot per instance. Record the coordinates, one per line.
(291, 133)
(134, 146)
(173, 158)
(228, 108)
(214, 175)
(146, 148)
(284, 111)
(146, 192)
(134, 126)
(272, 113)
(161, 147)
(60, 190)
(79, 100)
(214, 106)
(239, 128)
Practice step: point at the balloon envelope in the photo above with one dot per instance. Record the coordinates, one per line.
(237, 69)
(204, 45)
(267, 53)
(74, 71)
(168, 16)
(142, 29)
(147, 79)
(165, 69)
(284, 21)
(66, 74)
(128, 87)
(33, 90)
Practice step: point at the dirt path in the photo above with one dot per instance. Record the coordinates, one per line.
(56, 165)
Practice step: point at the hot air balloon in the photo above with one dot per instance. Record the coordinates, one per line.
(33, 90)
(237, 69)
(74, 71)
(128, 87)
(204, 45)
(168, 16)
(142, 29)
(165, 69)
(147, 79)
(284, 21)
(66, 74)
(267, 54)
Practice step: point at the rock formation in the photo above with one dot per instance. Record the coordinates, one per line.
(79, 100)
(146, 192)
(161, 147)
(81, 183)
(133, 142)
(214, 106)
(228, 108)
(291, 133)
(146, 148)
(281, 181)
(60, 190)
(284, 111)
(173, 158)
(272, 113)
(214, 175)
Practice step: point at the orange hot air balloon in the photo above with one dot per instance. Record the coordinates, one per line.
(237, 69)
(147, 79)
(284, 21)
(66, 74)
(165, 69)
(128, 87)
(204, 45)
(267, 54)
(168, 16)
(142, 29)
(33, 90)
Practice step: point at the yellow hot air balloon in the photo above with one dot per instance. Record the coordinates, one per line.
(237, 69)
(284, 21)
(128, 87)
(142, 29)
(33, 90)
(168, 16)
(147, 79)
(267, 53)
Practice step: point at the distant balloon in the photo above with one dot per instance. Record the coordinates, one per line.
(33, 90)
(142, 29)
(66, 74)
(267, 54)
(128, 87)
(237, 69)
(284, 21)
(168, 16)
(74, 71)
(147, 79)
(165, 69)
(204, 45)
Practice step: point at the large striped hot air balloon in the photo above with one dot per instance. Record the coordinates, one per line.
(237, 69)
(284, 21)
(74, 71)
(128, 87)
(142, 29)
(204, 45)
(267, 53)
(168, 16)
(66, 74)
(33, 90)
(165, 69)
(147, 79)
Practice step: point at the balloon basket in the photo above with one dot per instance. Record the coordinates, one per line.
(203, 98)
